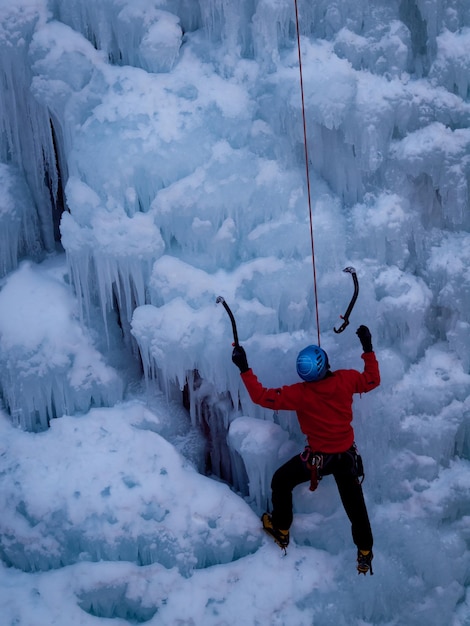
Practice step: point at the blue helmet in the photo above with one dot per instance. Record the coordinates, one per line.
(312, 363)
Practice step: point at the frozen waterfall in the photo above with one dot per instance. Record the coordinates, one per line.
(151, 159)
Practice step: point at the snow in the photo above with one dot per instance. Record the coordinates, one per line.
(152, 160)
(109, 511)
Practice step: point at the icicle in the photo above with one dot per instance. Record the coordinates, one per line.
(258, 443)
(24, 123)
(19, 225)
(48, 363)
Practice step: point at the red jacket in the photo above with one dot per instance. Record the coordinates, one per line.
(324, 408)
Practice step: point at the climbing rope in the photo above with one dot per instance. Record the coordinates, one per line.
(315, 293)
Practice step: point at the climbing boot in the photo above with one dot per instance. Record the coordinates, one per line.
(281, 537)
(364, 561)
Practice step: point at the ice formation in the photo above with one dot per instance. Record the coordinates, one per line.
(151, 159)
(19, 233)
(50, 365)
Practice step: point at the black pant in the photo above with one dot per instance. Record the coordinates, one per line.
(295, 472)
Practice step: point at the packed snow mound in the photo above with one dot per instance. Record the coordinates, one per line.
(112, 489)
(263, 588)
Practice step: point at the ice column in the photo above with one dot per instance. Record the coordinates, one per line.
(19, 224)
(25, 129)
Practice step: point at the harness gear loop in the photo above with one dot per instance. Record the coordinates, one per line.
(345, 317)
(314, 463)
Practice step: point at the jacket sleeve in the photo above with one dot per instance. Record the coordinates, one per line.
(283, 398)
(370, 378)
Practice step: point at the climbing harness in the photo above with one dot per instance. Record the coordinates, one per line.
(316, 462)
(220, 300)
(345, 317)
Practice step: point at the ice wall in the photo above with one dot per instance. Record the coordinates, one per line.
(25, 130)
(177, 139)
(357, 141)
(180, 145)
(19, 224)
(142, 34)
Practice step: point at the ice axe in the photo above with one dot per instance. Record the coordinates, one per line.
(232, 319)
(345, 317)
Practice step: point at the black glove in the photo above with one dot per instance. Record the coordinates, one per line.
(239, 358)
(365, 338)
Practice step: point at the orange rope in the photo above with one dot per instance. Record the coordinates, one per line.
(307, 172)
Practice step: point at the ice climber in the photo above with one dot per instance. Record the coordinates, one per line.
(323, 404)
